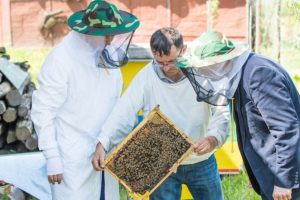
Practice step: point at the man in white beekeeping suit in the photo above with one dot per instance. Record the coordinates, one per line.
(80, 82)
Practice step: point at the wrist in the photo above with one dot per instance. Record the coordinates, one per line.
(213, 141)
(54, 166)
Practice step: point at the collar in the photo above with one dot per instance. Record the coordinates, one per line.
(161, 75)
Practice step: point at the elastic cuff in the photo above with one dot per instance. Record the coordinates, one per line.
(50, 153)
(217, 136)
(105, 142)
(54, 166)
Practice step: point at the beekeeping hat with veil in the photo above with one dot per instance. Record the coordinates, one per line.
(102, 18)
(213, 66)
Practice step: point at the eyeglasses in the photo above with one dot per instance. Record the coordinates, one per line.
(164, 64)
(168, 63)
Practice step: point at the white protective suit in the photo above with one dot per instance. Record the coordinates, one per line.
(74, 99)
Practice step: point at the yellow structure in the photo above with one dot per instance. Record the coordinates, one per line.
(228, 157)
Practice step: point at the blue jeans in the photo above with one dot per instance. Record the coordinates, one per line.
(202, 179)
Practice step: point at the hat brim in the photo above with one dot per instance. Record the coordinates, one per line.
(195, 61)
(130, 23)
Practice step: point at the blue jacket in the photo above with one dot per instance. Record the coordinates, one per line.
(267, 113)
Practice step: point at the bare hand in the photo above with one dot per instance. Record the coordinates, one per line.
(57, 178)
(98, 158)
(280, 193)
(205, 145)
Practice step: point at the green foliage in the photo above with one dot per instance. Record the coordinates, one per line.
(294, 6)
(123, 193)
(31, 198)
(5, 193)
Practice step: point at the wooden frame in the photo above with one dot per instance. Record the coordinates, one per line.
(130, 139)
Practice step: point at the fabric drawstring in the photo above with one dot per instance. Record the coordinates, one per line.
(232, 125)
(102, 194)
(106, 71)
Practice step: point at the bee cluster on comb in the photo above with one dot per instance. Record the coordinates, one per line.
(149, 154)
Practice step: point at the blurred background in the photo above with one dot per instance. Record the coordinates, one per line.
(29, 29)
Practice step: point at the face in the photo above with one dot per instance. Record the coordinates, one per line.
(108, 40)
(216, 71)
(167, 63)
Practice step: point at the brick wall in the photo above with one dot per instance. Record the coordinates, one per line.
(189, 16)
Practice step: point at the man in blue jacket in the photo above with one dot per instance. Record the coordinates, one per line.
(266, 108)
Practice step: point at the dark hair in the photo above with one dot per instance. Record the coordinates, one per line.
(162, 40)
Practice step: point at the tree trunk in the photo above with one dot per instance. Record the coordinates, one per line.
(257, 25)
(278, 10)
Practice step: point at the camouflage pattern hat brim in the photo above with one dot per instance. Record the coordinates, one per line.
(213, 54)
(102, 18)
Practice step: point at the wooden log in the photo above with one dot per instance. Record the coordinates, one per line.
(2, 128)
(49, 19)
(11, 136)
(32, 142)
(13, 98)
(30, 89)
(23, 65)
(2, 50)
(7, 57)
(5, 87)
(14, 74)
(2, 141)
(18, 147)
(2, 107)
(24, 129)
(24, 107)
(4, 151)
(10, 115)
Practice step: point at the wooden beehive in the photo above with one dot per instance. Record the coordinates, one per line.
(149, 154)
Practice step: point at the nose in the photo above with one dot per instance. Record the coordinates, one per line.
(108, 39)
(167, 67)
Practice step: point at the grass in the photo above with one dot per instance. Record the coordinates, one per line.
(238, 187)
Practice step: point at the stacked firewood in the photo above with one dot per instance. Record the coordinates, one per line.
(16, 128)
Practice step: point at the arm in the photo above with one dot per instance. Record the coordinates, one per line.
(218, 129)
(271, 96)
(121, 121)
(46, 102)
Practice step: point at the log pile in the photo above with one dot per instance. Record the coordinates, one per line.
(16, 128)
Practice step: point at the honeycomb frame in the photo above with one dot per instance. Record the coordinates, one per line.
(127, 164)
